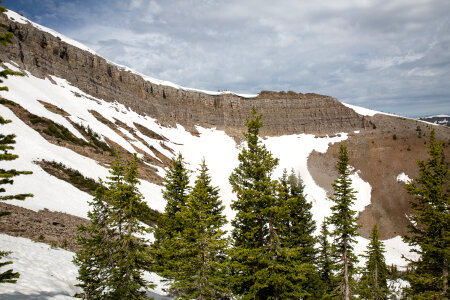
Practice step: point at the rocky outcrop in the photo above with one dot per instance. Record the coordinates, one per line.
(42, 54)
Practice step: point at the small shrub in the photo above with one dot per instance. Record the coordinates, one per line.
(36, 119)
(54, 245)
(95, 138)
(394, 137)
(41, 237)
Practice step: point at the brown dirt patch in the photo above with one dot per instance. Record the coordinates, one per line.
(53, 228)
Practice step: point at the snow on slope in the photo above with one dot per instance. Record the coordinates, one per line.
(365, 111)
(46, 273)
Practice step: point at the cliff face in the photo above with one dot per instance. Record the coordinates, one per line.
(43, 54)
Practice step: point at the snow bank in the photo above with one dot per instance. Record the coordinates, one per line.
(47, 273)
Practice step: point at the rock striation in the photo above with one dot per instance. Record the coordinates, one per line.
(43, 54)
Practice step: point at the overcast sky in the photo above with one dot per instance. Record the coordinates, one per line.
(388, 55)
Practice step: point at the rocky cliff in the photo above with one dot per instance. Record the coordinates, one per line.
(43, 54)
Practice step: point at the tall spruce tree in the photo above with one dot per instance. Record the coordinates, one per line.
(170, 224)
(430, 222)
(113, 256)
(261, 267)
(325, 262)
(6, 142)
(343, 219)
(202, 246)
(373, 282)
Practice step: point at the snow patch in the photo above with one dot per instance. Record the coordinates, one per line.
(402, 177)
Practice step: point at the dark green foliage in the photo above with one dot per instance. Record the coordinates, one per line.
(394, 137)
(373, 282)
(201, 260)
(95, 138)
(266, 262)
(112, 258)
(295, 228)
(343, 218)
(8, 276)
(36, 119)
(6, 175)
(430, 223)
(75, 177)
(61, 132)
(146, 214)
(170, 223)
(325, 261)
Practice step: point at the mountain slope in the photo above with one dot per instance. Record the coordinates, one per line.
(67, 88)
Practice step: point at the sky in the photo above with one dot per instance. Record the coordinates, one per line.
(387, 55)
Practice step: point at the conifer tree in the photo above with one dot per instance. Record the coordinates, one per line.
(343, 219)
(202, 245)
(113, 256)
(324, 261)
(430, 222)
(95, 242)
(373, 282)
(295, 228)
(170, 224)
(261, 267)
(6, 142)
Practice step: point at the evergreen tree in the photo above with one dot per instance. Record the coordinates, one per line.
(373, 282)
(295, 228)
(343, 219)
(262, 268)
(324, 261)
(170, 224)
(95, 242)
(430, 223)
(6, 142)
(113, 257)
(202, 246)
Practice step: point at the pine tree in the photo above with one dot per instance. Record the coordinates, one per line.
(6, 142)
(343, 219)
(295, 227)
(95, 242)
(373, 282)
(430, 222)
(202, 245)
(113, 256)
(261, 267)
(170, 224)
(324, 261)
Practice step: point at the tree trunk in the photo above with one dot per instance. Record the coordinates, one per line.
(445, 279)
(376, 281)
(346, 279)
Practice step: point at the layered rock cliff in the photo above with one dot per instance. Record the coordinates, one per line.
(43, 54)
